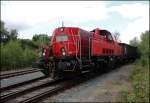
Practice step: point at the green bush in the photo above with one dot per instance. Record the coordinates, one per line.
(144, 48)
(140, 83)
(13, 56)
(29, 56)
(17, 53)
(140, 74)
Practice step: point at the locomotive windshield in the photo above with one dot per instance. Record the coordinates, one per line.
(61, 38)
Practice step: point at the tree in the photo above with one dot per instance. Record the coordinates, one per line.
(27, 43)
(116, 35)
(41, 39)
(134, 42)
(4, 33)
(144, 48)
(13, 34)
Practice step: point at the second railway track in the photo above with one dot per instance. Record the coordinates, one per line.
(50, 90)
(17, 73)
(15, 92)
(38, 91)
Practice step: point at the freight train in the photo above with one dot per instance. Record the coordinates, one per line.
(74, 50)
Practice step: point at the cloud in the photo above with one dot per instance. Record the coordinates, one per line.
(131, 11)
(26, 15)
(30, 13)
(138, 14)
(134, 29)
(16, 25)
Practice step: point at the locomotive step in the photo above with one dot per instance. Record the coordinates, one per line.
(85, 71)
(84, 66)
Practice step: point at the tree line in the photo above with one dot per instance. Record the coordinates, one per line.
(19, 53)
(139, 76)
(143, 46)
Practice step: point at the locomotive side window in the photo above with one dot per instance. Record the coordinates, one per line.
(106, 34)
(61, 38)
(103, 33)
(109, 37)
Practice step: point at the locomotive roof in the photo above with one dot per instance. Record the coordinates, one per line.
(127, 45)
(69, 27)
(83, 29)
(99, 29)
(74, 28)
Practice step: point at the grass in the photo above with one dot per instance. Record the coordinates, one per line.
(140, 82)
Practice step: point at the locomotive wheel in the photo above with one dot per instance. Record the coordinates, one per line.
(97, 67)
(52, 70)
(111, 63)
(46, 69)
(53, 74)
(104, 67)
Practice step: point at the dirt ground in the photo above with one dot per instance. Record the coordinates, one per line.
(104, 88)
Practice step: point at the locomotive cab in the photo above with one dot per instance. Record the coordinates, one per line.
(64, 50)
(63, 42)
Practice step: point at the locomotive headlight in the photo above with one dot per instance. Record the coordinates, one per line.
(63, 51)
(43, 54)
(62, 29)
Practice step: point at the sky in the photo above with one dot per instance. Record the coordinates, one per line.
(129, 18)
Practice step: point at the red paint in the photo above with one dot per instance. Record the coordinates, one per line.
(78, 43)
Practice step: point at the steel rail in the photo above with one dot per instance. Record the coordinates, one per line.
(46, 90)
(47, 93)
(20, 84)
(12, 95)
(7, 75)
(62, 86)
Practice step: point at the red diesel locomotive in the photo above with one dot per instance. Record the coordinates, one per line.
(75, 50)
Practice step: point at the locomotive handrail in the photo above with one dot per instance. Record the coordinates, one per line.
(77, 47)
(90, 49)
(74, 43)
(72, 36)
(78, 50)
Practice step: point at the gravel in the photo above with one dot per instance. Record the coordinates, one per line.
(104, 88)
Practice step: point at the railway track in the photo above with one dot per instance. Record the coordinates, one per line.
(51, 90)
(21, 84)
(36, 92)
(7, 75)
(39, 91)
(15, 92)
